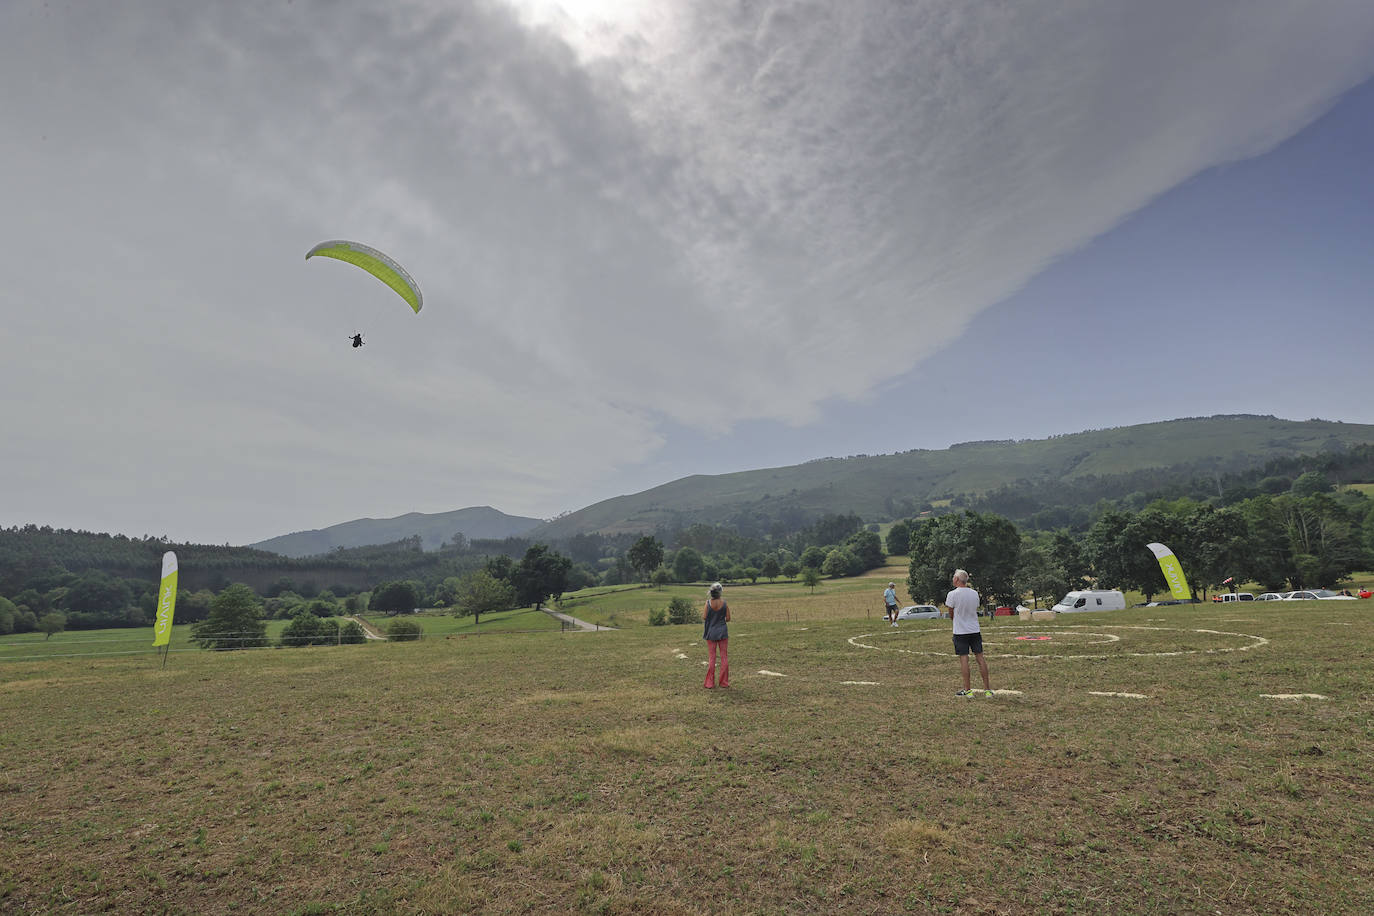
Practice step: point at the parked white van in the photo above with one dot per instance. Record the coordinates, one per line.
(1091, 601)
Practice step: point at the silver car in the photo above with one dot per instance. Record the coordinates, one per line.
(919, 612)
(1318, 594)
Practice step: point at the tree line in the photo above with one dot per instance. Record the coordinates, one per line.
(1283, 524)
(1309, 537)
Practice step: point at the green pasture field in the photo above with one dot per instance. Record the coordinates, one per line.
(781, 600)
(1132, 763)
(437, 623)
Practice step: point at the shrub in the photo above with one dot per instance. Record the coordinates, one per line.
(658, 617)
(305, 629)
(401, 630)
(680, 610)
(352, 633)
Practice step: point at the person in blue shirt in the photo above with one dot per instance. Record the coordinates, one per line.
(890, 599)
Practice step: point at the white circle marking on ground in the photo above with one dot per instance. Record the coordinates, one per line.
(1113, 693)
(1293, 696)
(1062, 631)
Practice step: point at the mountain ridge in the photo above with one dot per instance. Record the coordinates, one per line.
(876, 487)
(433, 529)
(896, 485)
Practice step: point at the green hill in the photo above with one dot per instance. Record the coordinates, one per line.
(885, 486)
(433, 529)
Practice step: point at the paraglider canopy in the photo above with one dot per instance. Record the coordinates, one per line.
(375, 263)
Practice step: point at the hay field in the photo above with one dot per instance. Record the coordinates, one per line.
(1159, 760)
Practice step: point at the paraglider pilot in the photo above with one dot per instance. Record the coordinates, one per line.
(357, 341)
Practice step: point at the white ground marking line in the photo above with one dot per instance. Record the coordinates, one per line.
(771, 673)
(1293, 696)
(681, 655)
(1113, 693)
(1257, 642)
(856, 683)
(1008, 693)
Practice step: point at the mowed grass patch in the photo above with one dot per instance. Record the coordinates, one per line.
(589, 772)
(780, 600)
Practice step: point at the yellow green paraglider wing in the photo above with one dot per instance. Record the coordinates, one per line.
(375, 263)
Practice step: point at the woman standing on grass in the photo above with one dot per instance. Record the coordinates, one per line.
(716, 615)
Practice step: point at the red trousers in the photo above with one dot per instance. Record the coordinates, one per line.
(712, 645)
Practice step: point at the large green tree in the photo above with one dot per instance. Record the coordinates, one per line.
(52, 622)
(1326, 542)
(987, 546)
(867, 548)
(235, 621)
(688, 565)
(1116, 548)
(899, 539)
(645, 555)
(541, 574)
(399, 597)
(1039, 574)
(840, 562)
(479, 593)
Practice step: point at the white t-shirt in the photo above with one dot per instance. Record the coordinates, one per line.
(963, 601)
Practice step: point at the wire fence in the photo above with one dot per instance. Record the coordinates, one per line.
(139, 642)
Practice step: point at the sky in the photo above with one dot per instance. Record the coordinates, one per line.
(655, 239)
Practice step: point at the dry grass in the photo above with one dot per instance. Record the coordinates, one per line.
(590, 773)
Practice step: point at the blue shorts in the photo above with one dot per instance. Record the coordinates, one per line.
(968, 642)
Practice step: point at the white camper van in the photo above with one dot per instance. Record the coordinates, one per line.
(1091, 601)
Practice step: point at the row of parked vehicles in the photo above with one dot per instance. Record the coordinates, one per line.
(1308, 594)
(1112, 600)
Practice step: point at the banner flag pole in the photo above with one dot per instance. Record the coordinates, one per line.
(166, 604)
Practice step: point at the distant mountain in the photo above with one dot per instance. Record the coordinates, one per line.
(434, 529)
(891, 486)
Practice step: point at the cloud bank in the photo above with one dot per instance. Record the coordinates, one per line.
(702, 214)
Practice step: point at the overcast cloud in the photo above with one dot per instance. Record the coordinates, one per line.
(695, 216)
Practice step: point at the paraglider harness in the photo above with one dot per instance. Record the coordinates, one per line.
(357, 340)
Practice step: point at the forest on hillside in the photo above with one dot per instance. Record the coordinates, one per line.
(1291, 521)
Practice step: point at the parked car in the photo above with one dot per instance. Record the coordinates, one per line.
(1317, 594)
(919, 612)
(1168, 602)
(1233, 596)
(1271, 596)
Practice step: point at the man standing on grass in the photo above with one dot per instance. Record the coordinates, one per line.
(963, 607)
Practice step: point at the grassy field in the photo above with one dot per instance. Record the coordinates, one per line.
(857, 597)
(1131, 764)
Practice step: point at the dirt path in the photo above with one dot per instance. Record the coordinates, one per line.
(579, 626)
(369, 630)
